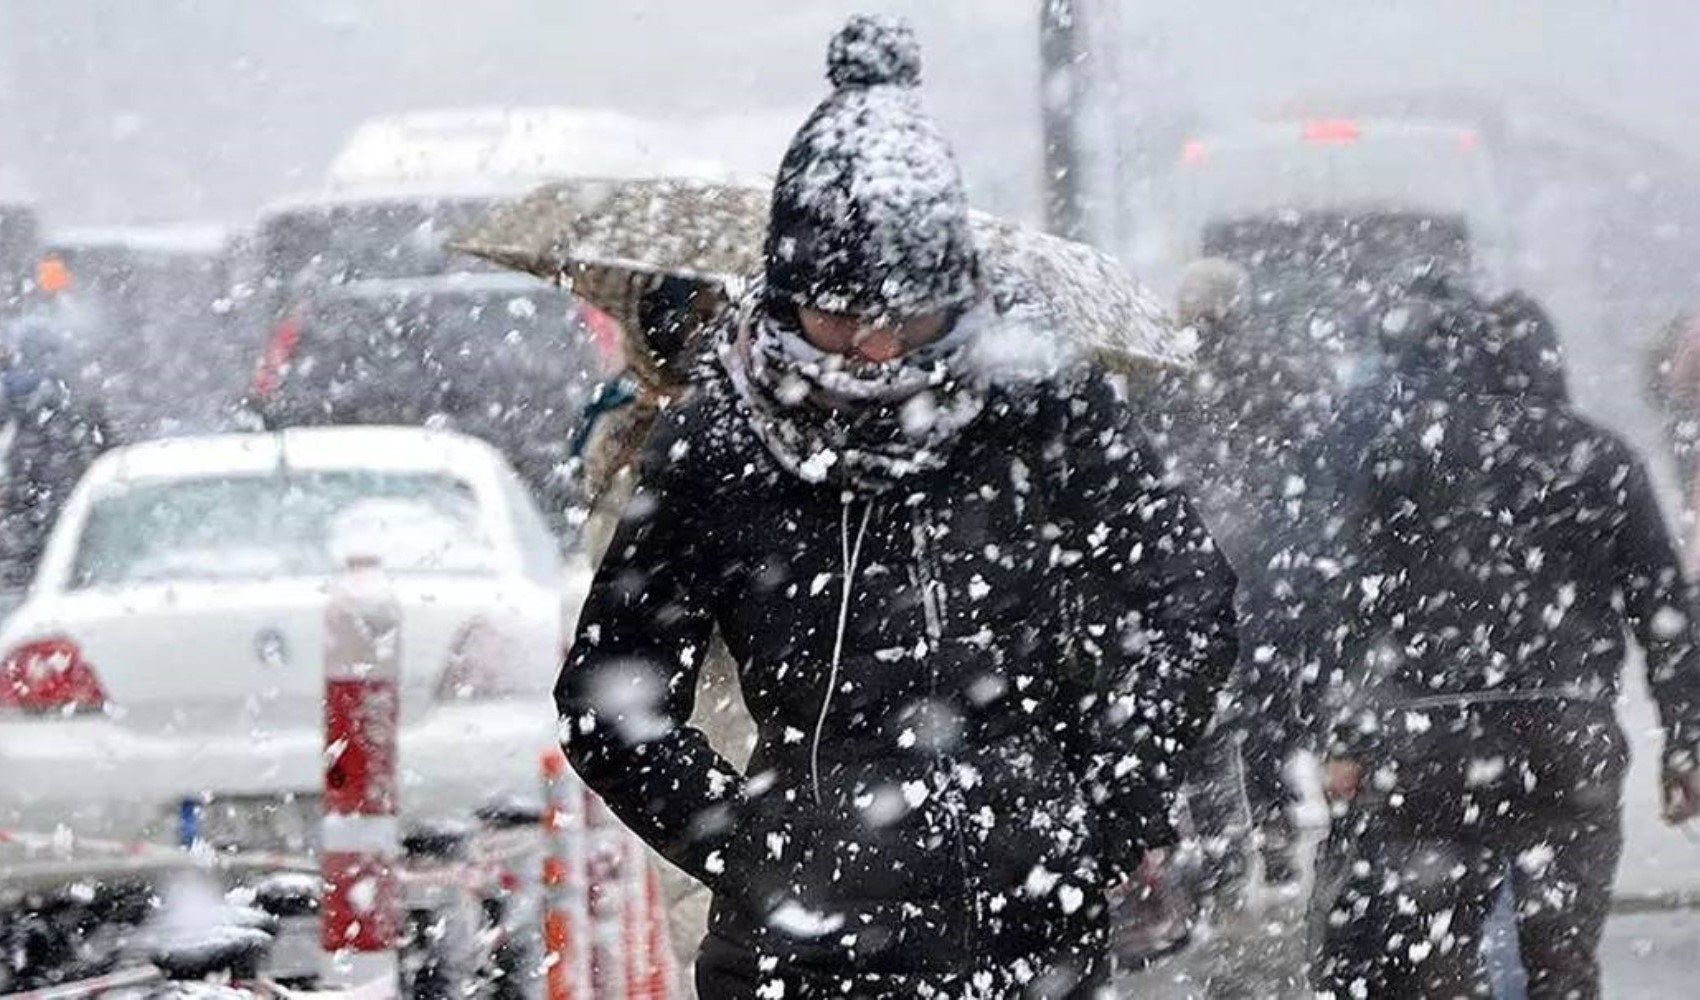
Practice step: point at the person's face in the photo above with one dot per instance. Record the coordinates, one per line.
(870, 341)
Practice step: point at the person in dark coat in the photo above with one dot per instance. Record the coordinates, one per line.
(1237, 427)
(974, 625)
(1507, 545)
(51, 431)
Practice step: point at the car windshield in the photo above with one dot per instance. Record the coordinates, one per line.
(256, 527)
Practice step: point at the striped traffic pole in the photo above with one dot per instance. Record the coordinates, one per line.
(651, 943)
(566, 917)
(610, 950)
(360, 841)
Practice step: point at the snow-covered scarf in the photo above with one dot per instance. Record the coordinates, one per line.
(862, 426)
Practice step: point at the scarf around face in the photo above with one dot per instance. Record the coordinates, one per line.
(827, 419)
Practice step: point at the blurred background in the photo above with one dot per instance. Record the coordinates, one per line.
(119, 113)
(222, 215)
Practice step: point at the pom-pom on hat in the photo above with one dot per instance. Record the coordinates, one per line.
(870, 217)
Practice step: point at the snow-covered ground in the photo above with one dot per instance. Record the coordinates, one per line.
(1645, 956)
(1659, 862)
(1650, 951)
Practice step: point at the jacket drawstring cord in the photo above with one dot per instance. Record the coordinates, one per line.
(852, 556)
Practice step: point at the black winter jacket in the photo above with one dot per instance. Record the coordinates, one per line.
(970, 693)
(56, 434)
(1507, 547)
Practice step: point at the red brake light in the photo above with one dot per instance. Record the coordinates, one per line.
(1192, 152)
(480, 665)
(280, 350)
(1337, 131)
(1468, 140)
(49, 676)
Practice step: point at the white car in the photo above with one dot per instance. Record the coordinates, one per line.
(166, 666)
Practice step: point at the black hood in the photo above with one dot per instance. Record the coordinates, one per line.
(1456, 342)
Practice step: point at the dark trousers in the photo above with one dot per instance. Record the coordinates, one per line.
(1408, 875)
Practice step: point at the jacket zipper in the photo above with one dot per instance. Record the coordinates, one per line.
(934, 607)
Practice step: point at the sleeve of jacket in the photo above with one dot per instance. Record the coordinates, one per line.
(1660, 608)
(628, 687)
(1153, 633)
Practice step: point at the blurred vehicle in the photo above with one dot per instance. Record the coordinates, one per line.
(525, 145)
(532, 145)
(19, 248)
(1327, 215)
(171, 644)
(503, 357)
(151, 312)
(302, 247)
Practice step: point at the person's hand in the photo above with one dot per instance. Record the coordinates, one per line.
(1341, 779)
(1681, 794)
(1149, 867)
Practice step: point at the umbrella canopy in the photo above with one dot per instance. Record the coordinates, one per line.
(1082, 293)
(614, 241)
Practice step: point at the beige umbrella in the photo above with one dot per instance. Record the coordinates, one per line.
(613, 241)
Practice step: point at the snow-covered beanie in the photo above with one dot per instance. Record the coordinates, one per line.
(870, 217)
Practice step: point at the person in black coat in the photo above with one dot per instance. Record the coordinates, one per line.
(975, 626)
(51, 431)
(1241, 427)
(1506, 545)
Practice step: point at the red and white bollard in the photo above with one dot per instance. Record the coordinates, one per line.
(650, 974)
(360, 846)
(566, 903)
(610, 851)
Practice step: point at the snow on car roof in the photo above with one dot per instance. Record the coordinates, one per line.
(534, 143)
(179, 238)
(460, 282)
(389, 449)
(425, 191)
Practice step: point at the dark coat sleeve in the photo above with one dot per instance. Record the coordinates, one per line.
(627, 690)
(1660, 608)
(56, 443)
(1153, 631)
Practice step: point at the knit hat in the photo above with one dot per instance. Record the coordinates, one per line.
(870, 217)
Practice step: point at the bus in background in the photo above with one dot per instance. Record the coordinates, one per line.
(1327, 215)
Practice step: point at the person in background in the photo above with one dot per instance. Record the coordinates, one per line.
(1506, 546)
(1673, 383)
(975, 626)
(1230, 426)
(51, 431)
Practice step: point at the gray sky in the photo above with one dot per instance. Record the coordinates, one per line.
(123, 111)
(129, 110)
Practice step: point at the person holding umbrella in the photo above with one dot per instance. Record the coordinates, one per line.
(975, 626)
